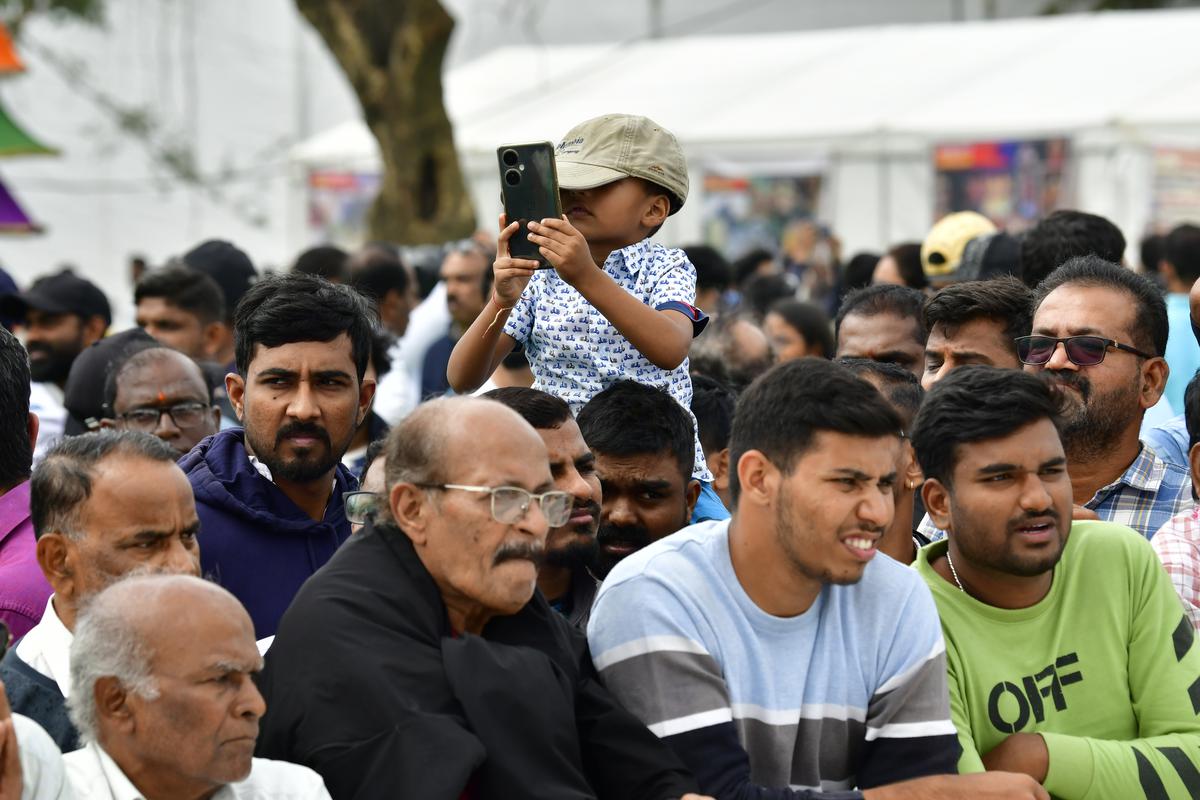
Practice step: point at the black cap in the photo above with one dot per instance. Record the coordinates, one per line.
(83, 394)
(227, 265)
(64, 293)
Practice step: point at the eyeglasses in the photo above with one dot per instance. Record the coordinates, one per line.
(511, 503)
(1083, 351)
(184, 415)
(361, 506)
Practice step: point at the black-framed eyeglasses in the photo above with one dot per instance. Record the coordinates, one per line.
(1083, 351)
(511, 503)
(361, 506)
(184, 415)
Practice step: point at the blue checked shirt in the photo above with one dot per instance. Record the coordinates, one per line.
(575, 352)
(1144, 498)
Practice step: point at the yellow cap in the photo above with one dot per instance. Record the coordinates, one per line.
(943, 247)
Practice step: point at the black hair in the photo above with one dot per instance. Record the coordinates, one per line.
(713, 404)
(783, 410)
(632, 419)
(859, 270)
(900, 387)
(810, 321)
(189, 290)
(16, 451)
(1004, 299)
(541, 410)
(908, 262)
(763, 291)
(380, 272)
(374, 449)
(977, 404)
(62, 481)
(297, 307)
(325, 260)
(748, 264)
(1149, 331)
(1150, 252)
(1182, 251)
(1063, 235)
(712, 270)
(885, 298)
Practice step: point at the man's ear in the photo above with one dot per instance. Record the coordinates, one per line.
(34, 425)
(1154, 380)
(718, 465)
(54, 556)
(112, 703)
(235, 390)
(937, 503)
(411, 510)
(212, 338)
(692, 493)
(758, 479)
(366, 395)
(93, 329)
(913, 476)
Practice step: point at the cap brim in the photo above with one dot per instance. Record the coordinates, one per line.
(18, 304)
(574, 175)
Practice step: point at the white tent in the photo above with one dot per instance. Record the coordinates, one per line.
(866, 105)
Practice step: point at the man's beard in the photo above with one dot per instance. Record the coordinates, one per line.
(577, 554)
(635, 536)
(56, 364)
(975, 550)
(787, 521)
(1095, 422)
(309, 464)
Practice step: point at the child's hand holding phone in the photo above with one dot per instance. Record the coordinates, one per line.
(511, 274)
(564, 247)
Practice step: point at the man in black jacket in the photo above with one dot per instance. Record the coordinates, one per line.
(420, 662)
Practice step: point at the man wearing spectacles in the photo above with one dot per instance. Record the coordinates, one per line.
(1099, 334)
(420, 662)
(161, 391)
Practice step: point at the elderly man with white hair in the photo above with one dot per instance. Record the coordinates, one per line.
(163, 695)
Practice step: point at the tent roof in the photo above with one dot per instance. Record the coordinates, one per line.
(1023, 77)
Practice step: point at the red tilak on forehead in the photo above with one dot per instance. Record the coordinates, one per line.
(162, 398)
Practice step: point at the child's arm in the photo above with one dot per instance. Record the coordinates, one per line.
(485, 344)
(663, 337)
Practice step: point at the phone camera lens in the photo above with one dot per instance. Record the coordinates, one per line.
(510, 158)
(512, 177)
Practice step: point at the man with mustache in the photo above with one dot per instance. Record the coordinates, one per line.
(1069, 657)
(778, 653)
(62, 315)
(566, 578)
(421, 662)
(1099, 333)
(270, 495)
(104, 505)
(644, 447)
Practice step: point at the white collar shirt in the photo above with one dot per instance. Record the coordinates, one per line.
(47, 649)
(95, 776)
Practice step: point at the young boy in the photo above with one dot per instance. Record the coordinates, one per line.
(616, 305)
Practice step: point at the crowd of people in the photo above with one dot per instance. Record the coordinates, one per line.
(642, 524)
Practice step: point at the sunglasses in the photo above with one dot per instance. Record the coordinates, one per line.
(1083, 351)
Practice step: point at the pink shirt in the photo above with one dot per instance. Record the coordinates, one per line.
(23, 588)
(1178, 546)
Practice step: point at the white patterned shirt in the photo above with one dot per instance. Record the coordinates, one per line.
(575, 352)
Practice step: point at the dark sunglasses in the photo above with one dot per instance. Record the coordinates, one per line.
(1083, 351)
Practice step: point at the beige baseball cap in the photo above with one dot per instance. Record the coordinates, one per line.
(616, 146)
(943, 247)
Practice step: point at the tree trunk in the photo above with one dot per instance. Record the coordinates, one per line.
(392, 52)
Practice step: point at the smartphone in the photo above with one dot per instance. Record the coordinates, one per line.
(529, 188)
